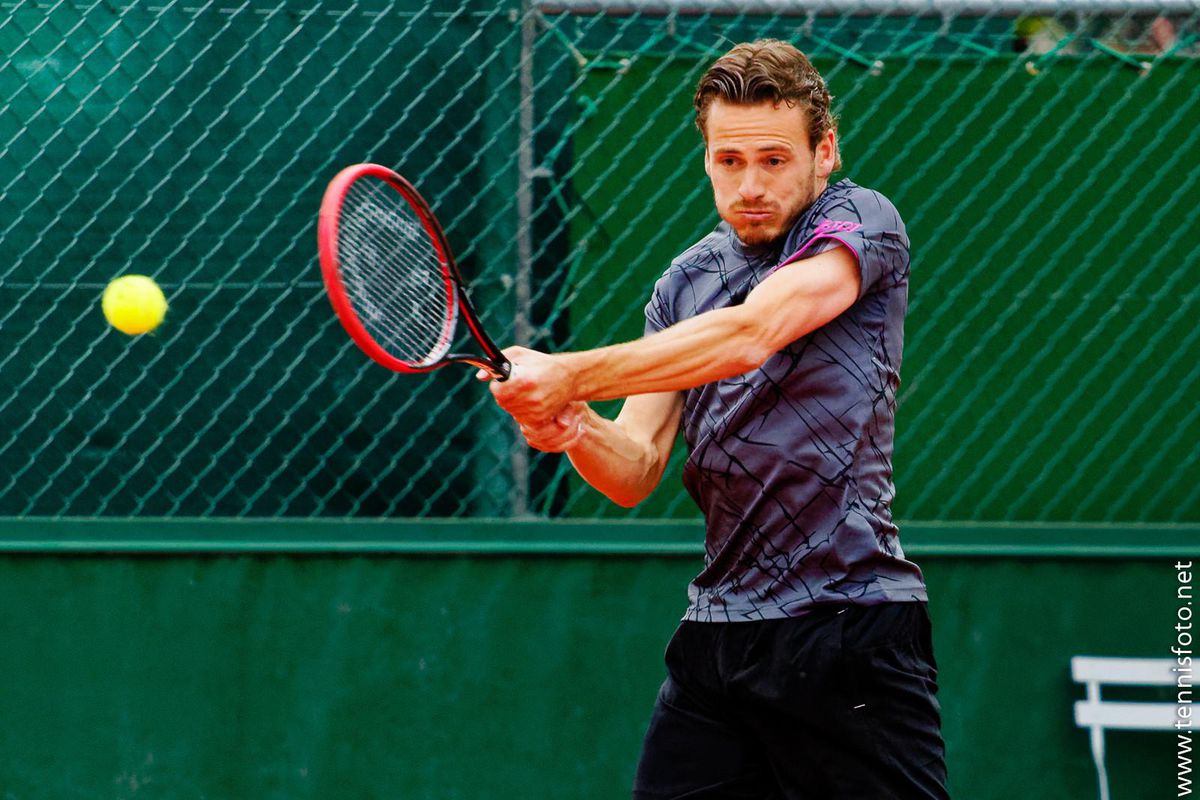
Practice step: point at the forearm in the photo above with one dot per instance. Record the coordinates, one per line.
(714, 345)
(615, 463)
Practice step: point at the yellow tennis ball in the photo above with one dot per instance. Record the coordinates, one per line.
(133, 304)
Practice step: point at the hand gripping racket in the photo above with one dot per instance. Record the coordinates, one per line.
(391, 276)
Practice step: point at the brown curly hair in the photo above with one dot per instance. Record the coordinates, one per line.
(768, 70)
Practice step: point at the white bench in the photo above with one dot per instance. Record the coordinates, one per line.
(1097, 714)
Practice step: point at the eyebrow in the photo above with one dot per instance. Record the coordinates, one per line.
(775, 148)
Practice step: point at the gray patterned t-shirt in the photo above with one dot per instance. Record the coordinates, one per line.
(791, 463)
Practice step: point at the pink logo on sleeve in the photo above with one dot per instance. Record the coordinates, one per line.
(836, 226)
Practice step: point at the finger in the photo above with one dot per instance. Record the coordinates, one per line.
(552, 436)
(511, 394)
(572, 434)
(540, 433)
(507, 401)
(546, 432)
(538, 423)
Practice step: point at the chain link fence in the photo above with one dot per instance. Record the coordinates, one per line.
(1044, 156)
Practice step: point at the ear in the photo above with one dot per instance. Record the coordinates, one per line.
(826, 154)
(707, 171)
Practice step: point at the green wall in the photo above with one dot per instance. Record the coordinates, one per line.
(489, 660)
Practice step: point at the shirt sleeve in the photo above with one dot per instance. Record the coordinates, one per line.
(658, 311)
(868, 225)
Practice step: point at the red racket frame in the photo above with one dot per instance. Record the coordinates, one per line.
(327, 245)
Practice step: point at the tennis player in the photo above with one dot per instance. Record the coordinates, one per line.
(804, 665)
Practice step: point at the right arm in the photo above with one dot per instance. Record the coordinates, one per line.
(623, 458)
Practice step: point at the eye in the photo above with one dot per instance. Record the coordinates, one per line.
(775, 161)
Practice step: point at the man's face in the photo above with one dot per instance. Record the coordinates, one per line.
(764, 173)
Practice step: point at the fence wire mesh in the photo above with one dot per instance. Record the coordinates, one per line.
(1046, 164)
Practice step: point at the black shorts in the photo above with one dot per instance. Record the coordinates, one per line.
(838, 704)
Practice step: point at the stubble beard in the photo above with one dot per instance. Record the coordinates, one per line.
(757, 235)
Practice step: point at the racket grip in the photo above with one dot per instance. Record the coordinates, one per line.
(502, 369)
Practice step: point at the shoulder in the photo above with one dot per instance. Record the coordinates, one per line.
(706, 255)
(847, 201)
(691, 272)
(847, 209)
(713, 247)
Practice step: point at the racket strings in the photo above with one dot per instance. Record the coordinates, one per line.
(405, 277)
(393, 274)
(412, 277)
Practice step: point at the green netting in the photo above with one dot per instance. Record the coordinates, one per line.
(1046, 166)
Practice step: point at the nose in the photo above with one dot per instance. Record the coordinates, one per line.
(751, 186)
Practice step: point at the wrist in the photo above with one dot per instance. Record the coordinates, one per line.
(575, 376)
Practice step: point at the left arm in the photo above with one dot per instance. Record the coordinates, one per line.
(795, 300)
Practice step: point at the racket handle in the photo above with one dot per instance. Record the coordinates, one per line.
(502, 369)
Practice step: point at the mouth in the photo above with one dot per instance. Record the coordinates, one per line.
(754, 215)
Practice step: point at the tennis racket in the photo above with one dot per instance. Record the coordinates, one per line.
(391, 276)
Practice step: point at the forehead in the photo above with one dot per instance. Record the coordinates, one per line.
(760, 124)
